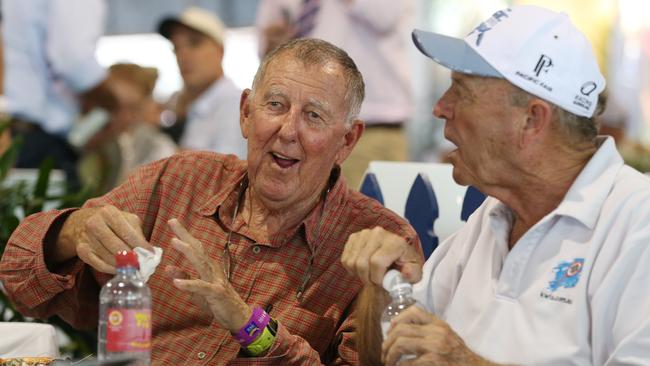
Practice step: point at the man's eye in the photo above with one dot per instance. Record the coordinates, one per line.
(314, 116)
(274, 105)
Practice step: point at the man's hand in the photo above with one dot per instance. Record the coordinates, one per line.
(95, 235)
(433, 342)
(211, 290)
(370, 252)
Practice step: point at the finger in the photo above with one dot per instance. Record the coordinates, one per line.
(392, 250)
(364, 256)
(198, 260)
(405, 331)
(195, 286)
(97, 247)
(401, 347)
(135, 222)
(415, 315)
(124, 228)
(85, 253)
(100, 235)
(181, 232)
(350, 252)
(175, 272)
(399, 331)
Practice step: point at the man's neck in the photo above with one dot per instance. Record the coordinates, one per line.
(265, 219)
(193, 92)
(541, 187)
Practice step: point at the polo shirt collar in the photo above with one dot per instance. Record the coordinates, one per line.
(588, 192)
(586, 196)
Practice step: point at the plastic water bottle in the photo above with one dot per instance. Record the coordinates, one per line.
(125, 314)
(401, 293)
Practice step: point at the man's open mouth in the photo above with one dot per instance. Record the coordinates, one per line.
(283, 161)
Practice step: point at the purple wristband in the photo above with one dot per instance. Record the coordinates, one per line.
(256, 324)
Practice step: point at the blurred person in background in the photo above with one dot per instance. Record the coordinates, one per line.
(51, 76)
(376, 34)
(134, 137)
(206, 112)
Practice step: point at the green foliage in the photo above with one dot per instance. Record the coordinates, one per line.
(19, 200)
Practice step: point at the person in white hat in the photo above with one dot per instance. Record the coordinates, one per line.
(552, 268)
(206, 110)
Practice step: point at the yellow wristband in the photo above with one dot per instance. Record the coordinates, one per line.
(262, 344)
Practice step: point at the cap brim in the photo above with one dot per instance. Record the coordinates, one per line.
(453, 53)
(165, 27)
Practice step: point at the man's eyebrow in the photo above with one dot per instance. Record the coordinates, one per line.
(322, 106)
(273, 93)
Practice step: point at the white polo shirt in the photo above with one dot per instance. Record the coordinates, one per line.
(574, 290)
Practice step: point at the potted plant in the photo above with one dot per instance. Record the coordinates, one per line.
(18, 200)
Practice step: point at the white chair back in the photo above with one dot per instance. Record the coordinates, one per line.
(425, 194)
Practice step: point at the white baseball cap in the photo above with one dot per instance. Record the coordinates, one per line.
(198, 19)
(534, 48)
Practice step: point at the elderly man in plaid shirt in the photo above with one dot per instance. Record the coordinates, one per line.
(240, 238)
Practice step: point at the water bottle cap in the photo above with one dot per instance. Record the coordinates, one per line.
(393, 280)
(126, 259)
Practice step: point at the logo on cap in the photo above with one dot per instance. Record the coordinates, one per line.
(543, 64)
(489, 24)
(588, 88)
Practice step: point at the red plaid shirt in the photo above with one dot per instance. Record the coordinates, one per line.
(200, 189)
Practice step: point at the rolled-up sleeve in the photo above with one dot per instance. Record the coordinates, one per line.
(35, 290)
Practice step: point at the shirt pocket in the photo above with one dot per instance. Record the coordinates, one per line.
(316, 329)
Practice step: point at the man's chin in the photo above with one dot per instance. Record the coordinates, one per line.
(459, 176)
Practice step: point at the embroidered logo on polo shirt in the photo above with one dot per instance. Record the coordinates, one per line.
(565, 275)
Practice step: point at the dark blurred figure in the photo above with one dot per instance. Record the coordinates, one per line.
(206, 113)
(52, 77)
(376, 34)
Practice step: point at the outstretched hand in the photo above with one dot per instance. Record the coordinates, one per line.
(211, 291)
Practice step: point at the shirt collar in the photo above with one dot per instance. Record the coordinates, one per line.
(588, 192)
(313, 227)
(226, 194)
(584, 199)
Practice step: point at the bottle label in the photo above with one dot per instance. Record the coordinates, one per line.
(128, 330)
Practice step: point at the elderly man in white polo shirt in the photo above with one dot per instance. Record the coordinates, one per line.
(553, 268)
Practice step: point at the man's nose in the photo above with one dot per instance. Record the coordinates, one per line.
(289, 125)
(443, 108)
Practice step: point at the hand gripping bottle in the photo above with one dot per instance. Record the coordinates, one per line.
(400, 292)
(125, 314)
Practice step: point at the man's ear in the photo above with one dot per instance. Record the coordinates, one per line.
(350, 139)
(539, 117)
(244, 112)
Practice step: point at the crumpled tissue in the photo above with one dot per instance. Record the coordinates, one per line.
(148, 261)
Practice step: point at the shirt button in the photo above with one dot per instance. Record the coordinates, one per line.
(256, 249)
(200, 355)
